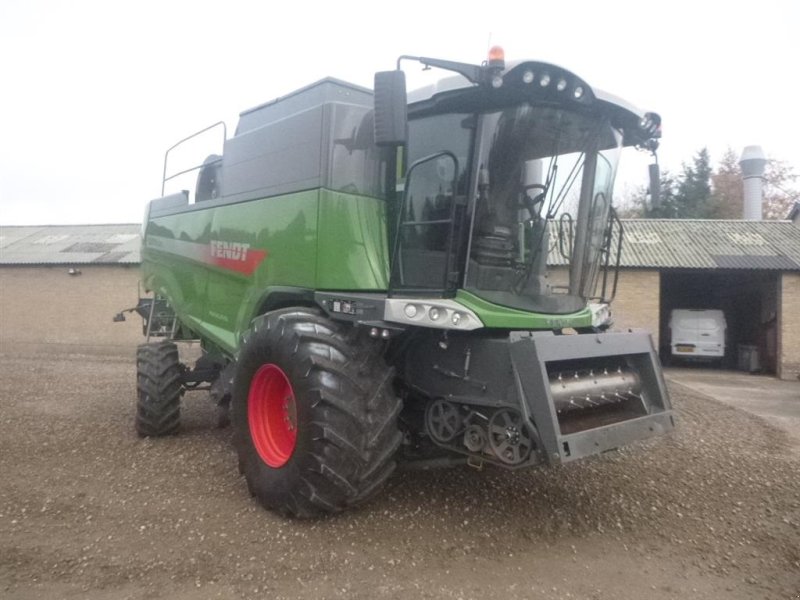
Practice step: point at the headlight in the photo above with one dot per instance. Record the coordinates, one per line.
(437, 313)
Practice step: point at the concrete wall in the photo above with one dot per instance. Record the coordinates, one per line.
(789, 334)
(44, 309)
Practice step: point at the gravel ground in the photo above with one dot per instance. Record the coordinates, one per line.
(88, 510)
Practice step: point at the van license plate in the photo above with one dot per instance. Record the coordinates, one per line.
(684, 348)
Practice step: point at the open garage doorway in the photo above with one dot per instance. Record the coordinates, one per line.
(749, 300)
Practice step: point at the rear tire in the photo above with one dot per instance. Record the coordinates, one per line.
(313, 412)
(158, 407)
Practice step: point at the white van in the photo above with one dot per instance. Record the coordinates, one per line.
(697, 334)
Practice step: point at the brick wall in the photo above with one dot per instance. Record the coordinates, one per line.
(636, 305)
(789, 339)
(44, 309)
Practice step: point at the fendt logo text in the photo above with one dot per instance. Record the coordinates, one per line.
(229, 250)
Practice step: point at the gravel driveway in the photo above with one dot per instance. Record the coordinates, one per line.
(88, 510)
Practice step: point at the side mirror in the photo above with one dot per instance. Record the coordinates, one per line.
(655, 185)
(391, 109)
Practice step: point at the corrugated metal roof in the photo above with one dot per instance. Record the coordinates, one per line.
(774, 263)
(711, 244)
(69, 244)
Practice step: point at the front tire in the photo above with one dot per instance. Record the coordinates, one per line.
(159, 389)
(313, 412)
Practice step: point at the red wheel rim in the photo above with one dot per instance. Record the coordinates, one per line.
(272, 415)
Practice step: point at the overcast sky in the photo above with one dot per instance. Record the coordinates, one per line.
(93, 92)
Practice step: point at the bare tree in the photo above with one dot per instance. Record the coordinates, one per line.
(779, 195)
(727, 196)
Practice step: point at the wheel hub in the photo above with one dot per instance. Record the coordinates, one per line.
(510, 438)
(443, 420)
(272, 415)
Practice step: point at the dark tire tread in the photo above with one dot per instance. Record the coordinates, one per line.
(159, 389)
(353, 412)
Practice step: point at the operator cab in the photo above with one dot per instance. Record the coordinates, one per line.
(510, 174)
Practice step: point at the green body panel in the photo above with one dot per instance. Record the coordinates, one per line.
(502, 317)
(313, 240)
(179, 277)
(286, 228)
(353, 252)
(216, 301)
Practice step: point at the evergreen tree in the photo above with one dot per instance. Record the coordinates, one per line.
(693, 194)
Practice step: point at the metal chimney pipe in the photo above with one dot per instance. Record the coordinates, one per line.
(753, 163)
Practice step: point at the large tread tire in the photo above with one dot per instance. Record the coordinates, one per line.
(158, 382)
(345, 412)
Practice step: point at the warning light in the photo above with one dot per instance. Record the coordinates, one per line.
(497, 58)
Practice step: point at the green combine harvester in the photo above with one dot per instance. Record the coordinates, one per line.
(379, 278)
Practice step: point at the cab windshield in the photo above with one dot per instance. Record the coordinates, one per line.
(542, 201)
(512, 205)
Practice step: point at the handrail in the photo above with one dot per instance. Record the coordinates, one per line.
(613, 219)
(164, 177)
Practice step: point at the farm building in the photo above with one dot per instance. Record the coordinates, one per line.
(61, 285)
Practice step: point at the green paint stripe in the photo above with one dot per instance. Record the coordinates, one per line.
(501, 317)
